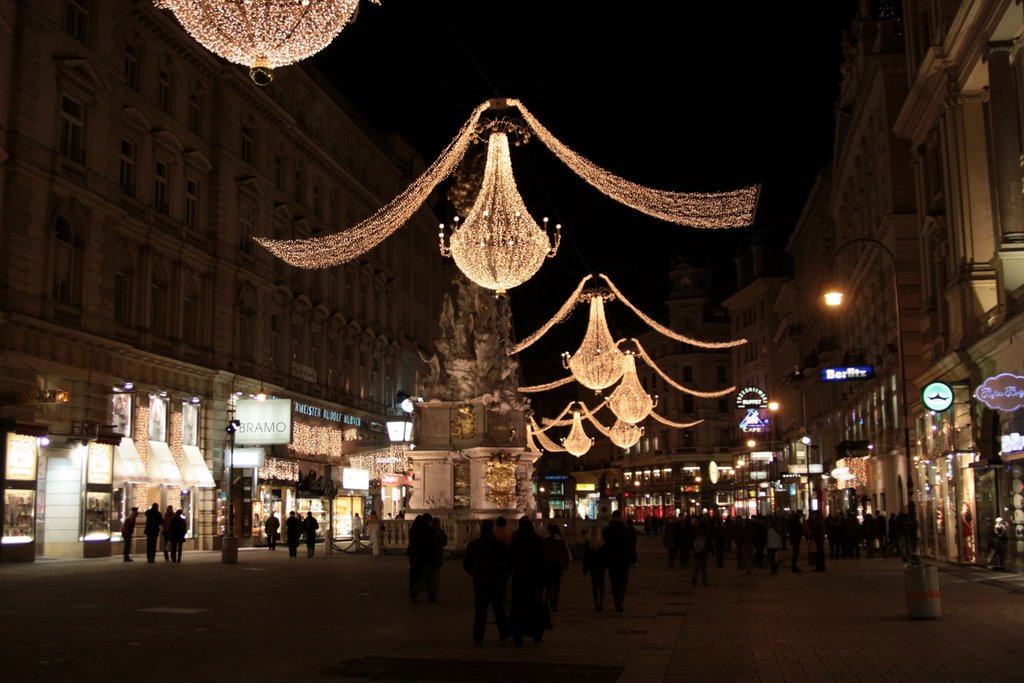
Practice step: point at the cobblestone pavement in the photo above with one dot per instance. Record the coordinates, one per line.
(348, 617)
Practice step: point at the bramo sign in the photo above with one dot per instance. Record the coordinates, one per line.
(263, 423)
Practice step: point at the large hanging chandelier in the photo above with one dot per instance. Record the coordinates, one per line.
(263, 34)
(597, 363)
(629, 401)
(624, 434)
(577, 443)
(499, 246)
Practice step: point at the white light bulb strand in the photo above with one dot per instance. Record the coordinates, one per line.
(340, 247)
(670, 423)
(548, 424)
(544, 387)
(730, 209)
(667, 332)
(642, 354)
(545, 441)
(561, 315)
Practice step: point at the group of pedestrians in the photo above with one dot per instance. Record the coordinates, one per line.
(168, 529)
(426, 549)
(295, 528)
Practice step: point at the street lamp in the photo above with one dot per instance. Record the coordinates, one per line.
(834, 297)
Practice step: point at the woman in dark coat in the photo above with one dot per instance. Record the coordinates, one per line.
(526, 617)
(422, 552)
(179, 529)
(620, 555)
(292, 532)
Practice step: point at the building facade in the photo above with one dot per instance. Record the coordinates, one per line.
(135, 308)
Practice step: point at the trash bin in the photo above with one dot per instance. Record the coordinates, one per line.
(924, 600)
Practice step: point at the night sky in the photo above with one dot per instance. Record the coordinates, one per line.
(683, 95)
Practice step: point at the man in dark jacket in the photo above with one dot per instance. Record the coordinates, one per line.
(154, 523)
(292, 532)
(127, 531)
(620, 555)
(795, 529)
(487, 561)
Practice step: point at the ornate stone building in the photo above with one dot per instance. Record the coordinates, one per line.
(135, 167)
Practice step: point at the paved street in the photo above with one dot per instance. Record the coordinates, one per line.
(347, 617)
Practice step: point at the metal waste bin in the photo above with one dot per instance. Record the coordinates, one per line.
(924, 600)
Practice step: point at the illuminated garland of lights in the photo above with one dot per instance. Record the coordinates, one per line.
(629, 401)
(279, 469)
(562, 314)
(331, 250)
(315, 440)
(499, 246)
(544, 387)
(671, 382)
(391, 460)
(263, 34)
(545, 441)
(731, 209)
(654, 325)
(670, 423)
(622, 434)
(140, 494)
(597, 363)
(701, 210)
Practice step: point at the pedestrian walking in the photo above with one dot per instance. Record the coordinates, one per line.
(165, 532)
(501, 531)
(421, 554)
(816, 533)
(997, 549)
(526, 616)
(773, 543)
(556, 560)
(127, 531)
(795, 530)
(271, 527)
(488, 561)
(309, 527)
(292, 532)
(870, 533)
(440, 541)
(701, 546)
(594, 565)
(670, 539)
(357, 527)
(179, 529)
(745, 542)
(154, 522)
(620, 555)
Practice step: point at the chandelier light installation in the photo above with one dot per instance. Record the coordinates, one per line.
(577, 443)
(597, 363)
(629, 401)
(263, 34)
(713, 210)
(499, 245)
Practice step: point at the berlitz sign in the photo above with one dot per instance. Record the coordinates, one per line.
(1003, 392)
(847, 373)
(263, 423)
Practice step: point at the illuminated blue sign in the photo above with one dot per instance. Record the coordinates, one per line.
(847, 373)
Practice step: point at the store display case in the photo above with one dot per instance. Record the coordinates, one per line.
(96, 525)
(19, 516)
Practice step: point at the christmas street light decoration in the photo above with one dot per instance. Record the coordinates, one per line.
(499, 246)
(577, 443)
(597, 363)
(263, 34)
(629, 401)
(699, 210)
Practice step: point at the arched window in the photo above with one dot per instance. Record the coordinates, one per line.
(67, 264)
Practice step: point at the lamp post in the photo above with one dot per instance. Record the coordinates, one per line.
(835, 298)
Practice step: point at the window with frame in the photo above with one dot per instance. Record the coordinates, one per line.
(161, 181)
(165, 91)
(72, 129)
(195, 112)
(248, 145)
(191, 203)
(67, 260)
(126, 168)
(190, 308)
(131, 66)
(159, 294)
(122, 298)
(76, 19)
(246, 336)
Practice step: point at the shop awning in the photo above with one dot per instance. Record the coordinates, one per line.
(128, 465)
(194, 469)
(161, 466)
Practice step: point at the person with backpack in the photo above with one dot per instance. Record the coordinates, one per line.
(700, 546)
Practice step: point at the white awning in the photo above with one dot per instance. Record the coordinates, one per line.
(128, 465)
(194, 469)
(161, 466)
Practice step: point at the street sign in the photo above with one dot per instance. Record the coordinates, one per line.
(847, 373)
(937, 396)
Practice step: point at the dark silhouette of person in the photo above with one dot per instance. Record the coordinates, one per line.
(620, 555)
(309, 527)
(594, 565)
(127, 532)
(292, 531)
(165, 530)
(271, 527)
(556, 560)
(154, 522)
(488, 561)
(526, 616)
(421, 551)
(179, 529)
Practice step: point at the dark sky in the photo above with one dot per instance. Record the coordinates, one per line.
(679, 95)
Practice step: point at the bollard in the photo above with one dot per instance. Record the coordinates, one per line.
(924, 600)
